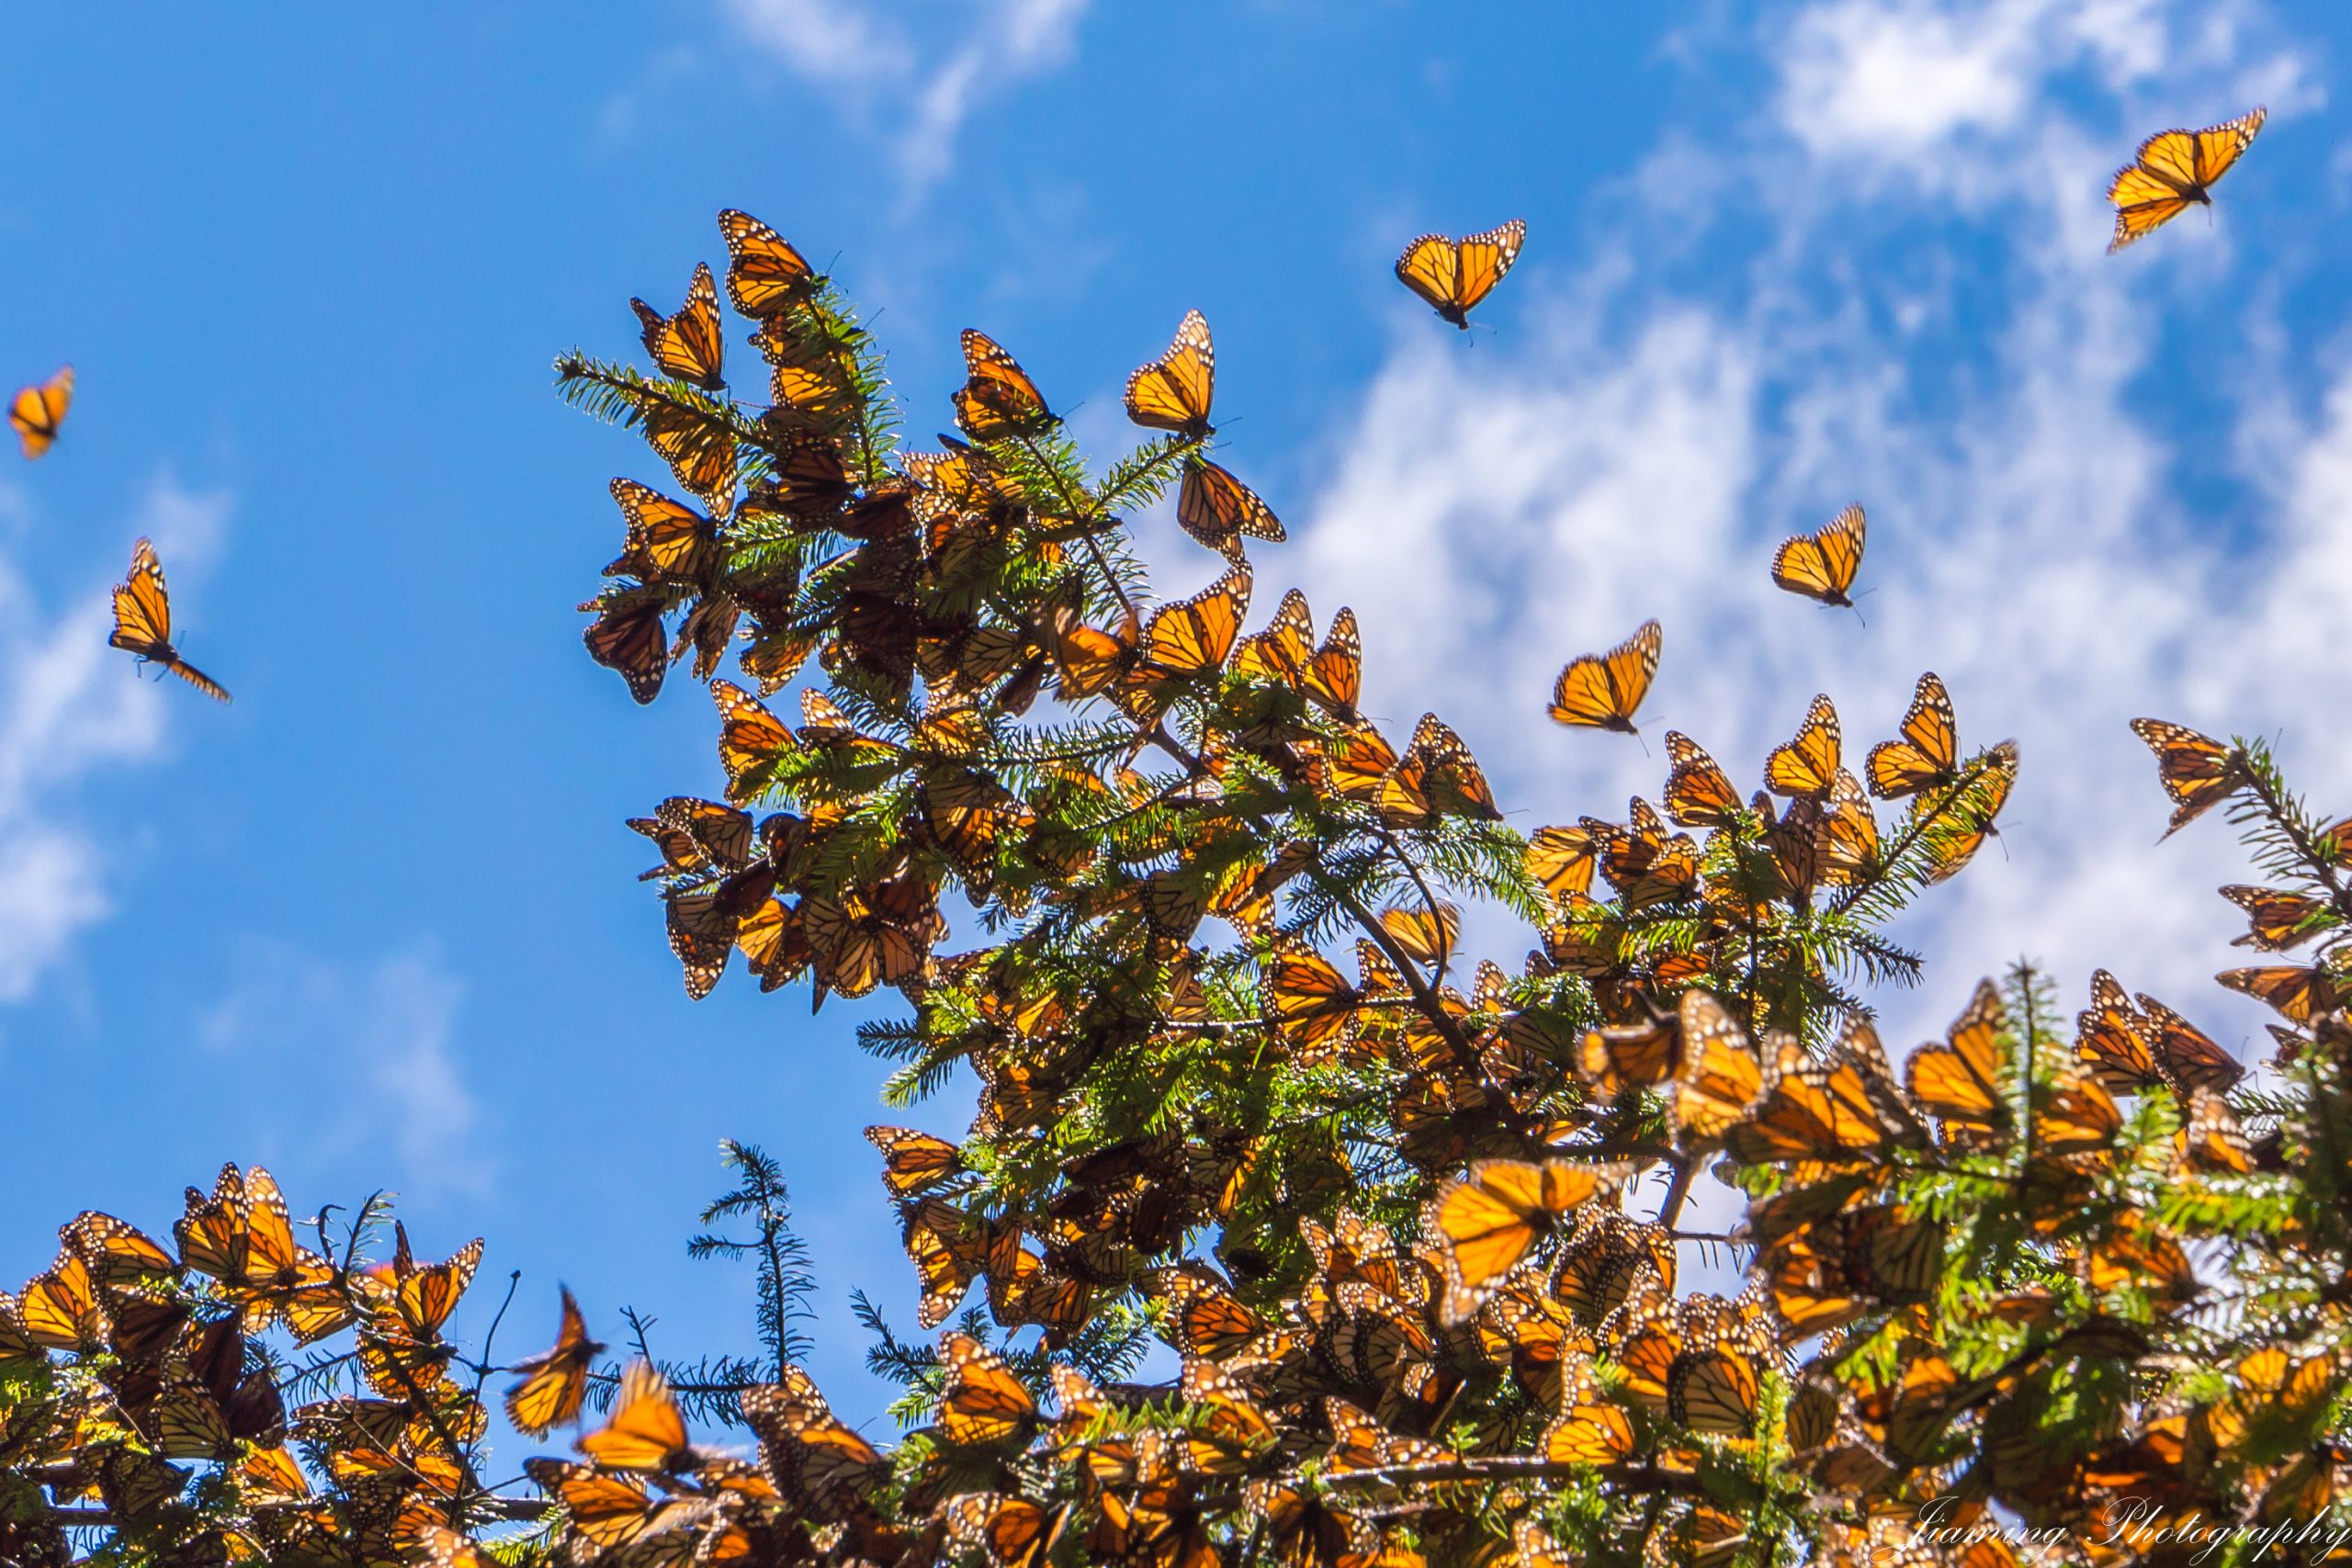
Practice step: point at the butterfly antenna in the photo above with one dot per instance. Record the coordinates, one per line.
(1644, 740)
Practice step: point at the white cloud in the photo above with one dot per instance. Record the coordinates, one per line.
(375, 1038)
(71, 707)
(933, 76)
(1637, 448)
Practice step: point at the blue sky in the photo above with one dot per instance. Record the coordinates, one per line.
(374, 925)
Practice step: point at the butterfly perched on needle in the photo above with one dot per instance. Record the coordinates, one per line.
(1822, 565)
(2174, 170)
(689, 344)
(1455, 275)
(1174, 392)
(142, 622)
(1603, 689)
(37, 410)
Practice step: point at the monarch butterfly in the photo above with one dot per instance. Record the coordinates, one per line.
(1232, 1429)
(2191, 1059)
(422, 1299)
(1928, 756)
(1360, 1442)
(1589, 1429)
(2196, 771)
(665, 541)
(243, 1237)
(2173, 169)
(1953, 841)
(2111, 1038)
(751, 741)
(1698, 792)
(608, 1511)
(1718, 1076)
(1219, 511)
(1835, 1112)
(2279, 920)
(646, 1431)
(1455, 275)
(118, 1252)
(1488, 1221)
(38, 411)
(1602, 689)
(689, 345)
(1331, 676)
(912, 1161)
(59, 1308)
(950, 1249)
(550, 1393)
(1807, 765)
(1009, 1533)
(1822, 565)
(628, 639)
(766, 276)
(982, 1401)
(1963, 1082)
(1436, 777)
(142, 622)
(1174, 392)
(997, 398)
(1425, 935)
(2297, 994)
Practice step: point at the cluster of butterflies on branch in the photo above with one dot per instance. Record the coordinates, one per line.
(1412, 1225)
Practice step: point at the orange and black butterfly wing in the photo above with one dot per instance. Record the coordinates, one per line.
(1218, 509)
(689, 345)
(997, 398)
(2197, 771)
(1807, 765)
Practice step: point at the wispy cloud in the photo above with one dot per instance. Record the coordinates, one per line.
(1653, 433)
(935, 65)
(374, 1038)
(70, 707)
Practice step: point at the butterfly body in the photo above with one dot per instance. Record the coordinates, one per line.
(142, 622)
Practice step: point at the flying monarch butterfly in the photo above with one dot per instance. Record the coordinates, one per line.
(1603, 689)
(142, 622)
(1807, 765)
(997, 398)
(1822, 565)
(1963, 1082)
(1455, 275)
(39, 410)
(647, 1430)
(1174, 392)
(2172, 170)
(766, 276)
(555, 1380)
(1488, 1221)
(689, 344)
(2196, 771)
(1928, 756)
(1219, 511)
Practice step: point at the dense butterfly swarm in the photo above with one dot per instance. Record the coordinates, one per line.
(1412, 1225)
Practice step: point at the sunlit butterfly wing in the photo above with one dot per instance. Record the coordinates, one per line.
(1928, 756)
(766, 276)
(2172, 171)
(689, 345)
(1218, 509)
(1808, 764)
(1452, 275)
